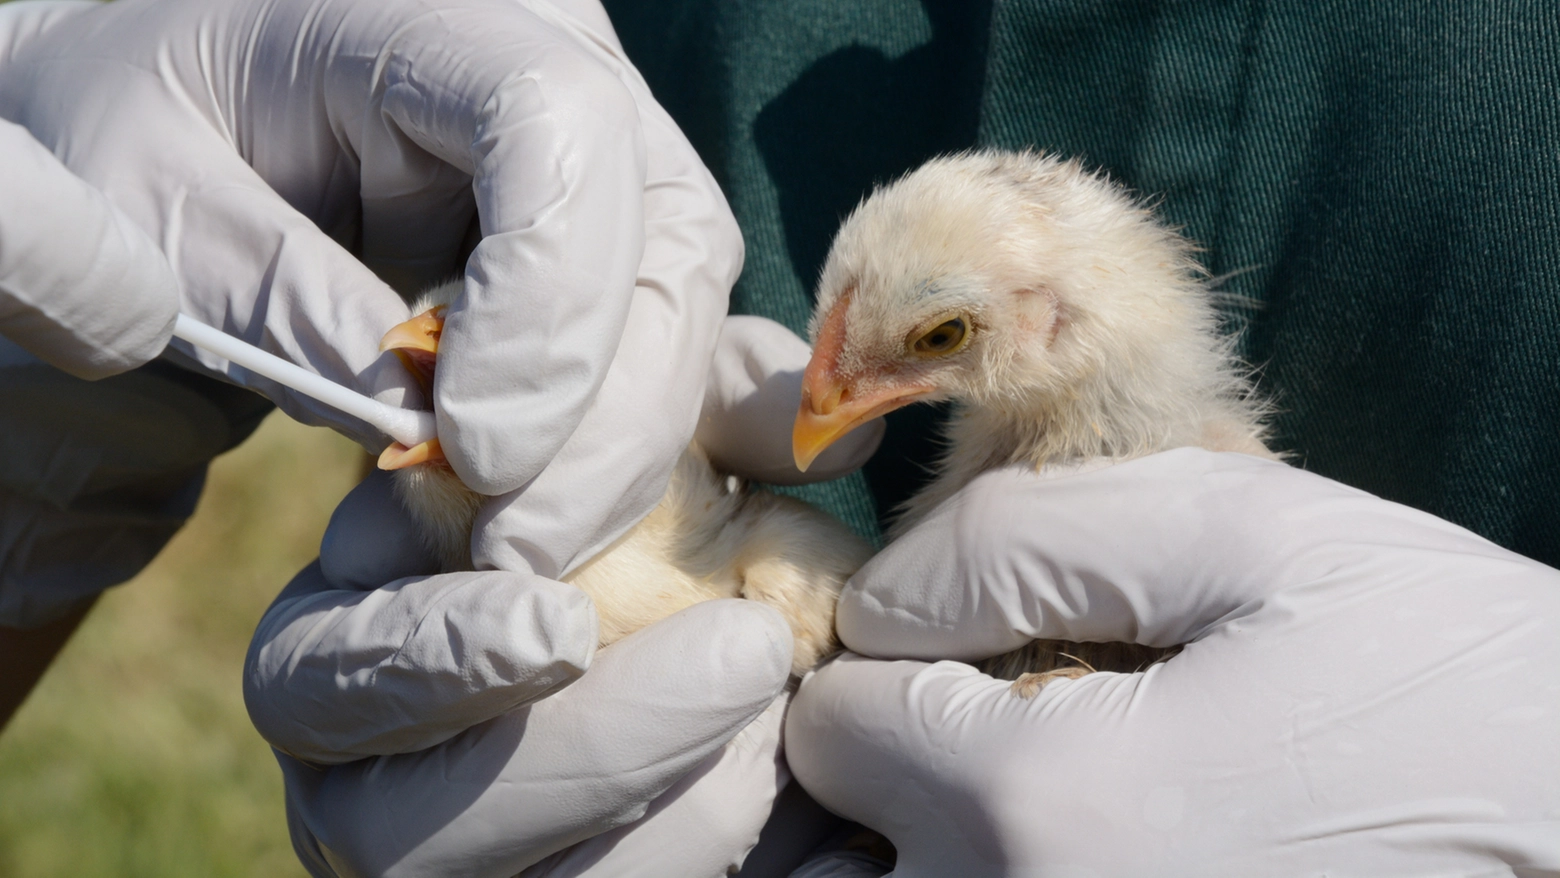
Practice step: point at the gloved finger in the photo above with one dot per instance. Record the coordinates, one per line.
(750, 404)
(703, 826)
(1157, 551)
(337, 674)
(80, 286)
(372, 540)
(508, 793)
(615, 467)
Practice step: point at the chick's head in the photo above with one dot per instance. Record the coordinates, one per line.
(1007, 282)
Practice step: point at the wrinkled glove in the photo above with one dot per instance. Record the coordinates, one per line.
(81, 287)
(268, 147)
(414, 733)
(1367, 689)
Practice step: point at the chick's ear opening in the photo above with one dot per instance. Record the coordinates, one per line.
(1040, 313)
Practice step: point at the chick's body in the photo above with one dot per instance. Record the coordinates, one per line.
(710, 537)
(1066, 323)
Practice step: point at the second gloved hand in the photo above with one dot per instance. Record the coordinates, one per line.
(1367, 690)
(438, 724)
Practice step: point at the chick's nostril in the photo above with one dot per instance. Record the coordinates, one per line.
(826, 404)
(824, 396)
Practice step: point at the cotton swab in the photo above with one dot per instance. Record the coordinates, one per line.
(406, 426)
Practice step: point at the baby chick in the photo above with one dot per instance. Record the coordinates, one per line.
(1063, 319)
(708, 538)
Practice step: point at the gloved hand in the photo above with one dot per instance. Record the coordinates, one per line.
(268, 147)
(651, 762)
(81, 287)
(1367, 690)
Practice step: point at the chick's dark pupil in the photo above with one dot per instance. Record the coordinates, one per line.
(943, 337)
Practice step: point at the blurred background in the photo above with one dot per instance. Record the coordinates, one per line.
(134, 756)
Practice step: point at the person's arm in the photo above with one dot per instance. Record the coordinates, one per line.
(26, 653)
(1365, 686)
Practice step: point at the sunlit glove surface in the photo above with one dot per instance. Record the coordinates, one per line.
(80, 286)
(268, 147)
(1368, 690)
(651, 763)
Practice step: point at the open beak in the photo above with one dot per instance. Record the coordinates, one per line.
(416, 344)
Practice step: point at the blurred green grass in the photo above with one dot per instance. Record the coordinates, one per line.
(134, 756)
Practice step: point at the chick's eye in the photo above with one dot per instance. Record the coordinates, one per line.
(944, 338)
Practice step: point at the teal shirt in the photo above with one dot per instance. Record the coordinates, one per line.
(1379, 184)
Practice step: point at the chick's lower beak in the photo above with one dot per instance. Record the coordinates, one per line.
(398, 456)
(831, 408)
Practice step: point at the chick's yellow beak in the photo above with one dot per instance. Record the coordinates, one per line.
(830, 409)
(421, 333)
(398, 456)
(833, 405)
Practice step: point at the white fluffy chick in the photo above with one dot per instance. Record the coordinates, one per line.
(708, 538)
(1064, 320)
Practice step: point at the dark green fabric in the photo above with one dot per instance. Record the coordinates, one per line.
(799, 107)
(1381, 181)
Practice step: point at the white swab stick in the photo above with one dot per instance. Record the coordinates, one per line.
(405, 426)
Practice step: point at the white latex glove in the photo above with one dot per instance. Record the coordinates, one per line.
(342, 669)
(267, 146)
(81, 287)
(1368, 690)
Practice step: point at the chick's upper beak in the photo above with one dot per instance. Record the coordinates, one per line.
(398, 456)
(416, 344)
(833, 405)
